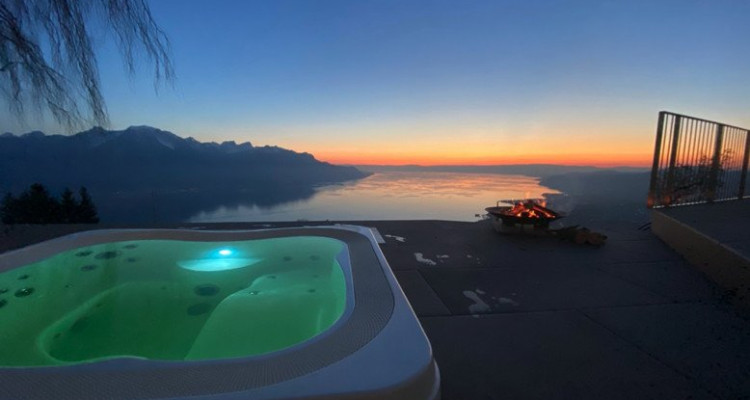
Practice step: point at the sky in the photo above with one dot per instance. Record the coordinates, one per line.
(438, 82)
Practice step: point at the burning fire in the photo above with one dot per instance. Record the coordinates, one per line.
(531, 209)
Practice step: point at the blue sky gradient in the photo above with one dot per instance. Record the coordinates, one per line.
(431, 81)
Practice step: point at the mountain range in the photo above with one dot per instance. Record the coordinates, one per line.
(145, 158)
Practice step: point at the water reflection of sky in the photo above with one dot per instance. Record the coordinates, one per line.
(393, 195)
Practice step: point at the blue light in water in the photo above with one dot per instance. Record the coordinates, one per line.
(216, 264)
(219, 259)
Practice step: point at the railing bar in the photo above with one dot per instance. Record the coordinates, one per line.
(708, 129)
(727, 176)
(713, 180)
(736, 160)
(743, 174)
(700, 138)
(651, 200)
(667, 138)
(673, 159)
(687, 164)
(740, 148)
(664, 158)
(705, 128)
(705, 140)
(702, 119)
(710, 142)
(730, 171)
(727, 165)
(691, 158)
(736, 165)
(686, 151)
(724, 188)
(667, 154)
(665, 127)
(694, 143)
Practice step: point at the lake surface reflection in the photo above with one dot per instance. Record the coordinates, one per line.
(387, 196)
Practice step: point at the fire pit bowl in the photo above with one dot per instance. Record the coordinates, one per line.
(526, 212)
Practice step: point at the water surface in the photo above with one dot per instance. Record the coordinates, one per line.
(391, 196)
(170, 300)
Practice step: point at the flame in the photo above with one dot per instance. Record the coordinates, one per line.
(531, 209)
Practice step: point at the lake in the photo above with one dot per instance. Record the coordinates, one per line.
(381, 196)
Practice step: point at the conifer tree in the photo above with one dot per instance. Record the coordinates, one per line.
(86, 209)
(36, 206)
(8, 209)
(68, 207)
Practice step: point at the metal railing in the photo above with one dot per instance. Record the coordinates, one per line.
(697, 161)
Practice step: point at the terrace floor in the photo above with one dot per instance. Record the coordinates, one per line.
(536, 318)
(520, 317)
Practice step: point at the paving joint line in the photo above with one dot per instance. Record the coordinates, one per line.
(435, 292)
(679, 372)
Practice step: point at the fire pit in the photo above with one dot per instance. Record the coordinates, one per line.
(530, 212)
(531, 217)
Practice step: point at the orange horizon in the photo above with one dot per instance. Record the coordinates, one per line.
(579, 151)
(635, 161)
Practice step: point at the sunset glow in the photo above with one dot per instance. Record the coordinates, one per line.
(428, 160)
(404, 82)
(480, 155)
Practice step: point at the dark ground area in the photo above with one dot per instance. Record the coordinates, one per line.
(537, 318)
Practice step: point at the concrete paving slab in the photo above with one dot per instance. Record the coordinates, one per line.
(707, 343)
(559, 355)
(728, 266)
(722, 221)
(497, 248)
(410, 257)
(492, 290)
(675, 280)
(423, 299)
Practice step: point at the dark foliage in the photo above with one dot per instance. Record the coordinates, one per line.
(47, 57)
(36, 206)
(85, 212)
(68, 207)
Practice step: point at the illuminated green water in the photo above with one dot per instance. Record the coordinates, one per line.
(170, 300)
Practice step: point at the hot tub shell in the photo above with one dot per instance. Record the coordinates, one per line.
(377, 350)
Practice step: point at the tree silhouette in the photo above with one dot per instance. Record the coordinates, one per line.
(698, 181)
(68, 207)
(86, 210)
(47, 59)
(36, 206)
(9, 210)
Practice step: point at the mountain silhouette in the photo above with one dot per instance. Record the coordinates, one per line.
(143, 158)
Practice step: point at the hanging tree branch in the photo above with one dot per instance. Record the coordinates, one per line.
(47, 59)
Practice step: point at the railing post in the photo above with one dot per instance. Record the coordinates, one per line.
(652, 201)
(743, 176)
(668, 196)
(713, 179)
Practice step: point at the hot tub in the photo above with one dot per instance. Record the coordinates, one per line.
(167, 314)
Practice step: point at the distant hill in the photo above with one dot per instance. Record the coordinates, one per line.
(146, 158)
(536, 170)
